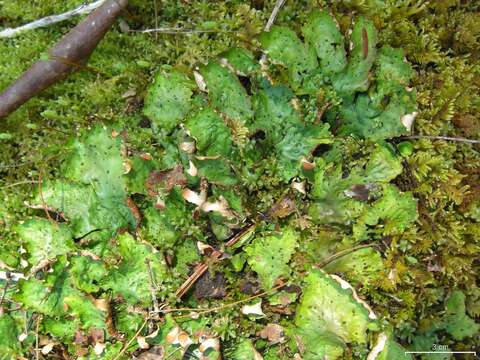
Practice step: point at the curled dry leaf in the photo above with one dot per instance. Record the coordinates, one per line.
(192, 169)
(188, 147)
(165, 180)
(200, 81)
(408, 119)
(307, 165)
(98, 348)
(102, 304)
(178, 336)
(273, 333)
(209, 343)
(299, 186)
(205, 249)
(194, 197)
(220, 206)
(282, 208)
(47, 348)
(255, 309)
(200, 199)
(142, 343)
(127, 166)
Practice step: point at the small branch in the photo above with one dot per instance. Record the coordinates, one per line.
(74, 48)
(19, 183)
(274, 14)
(447, 138)
(202, 268)
(221, 307)
(44, 204)
(153, 287)
(124, 348)
(4, 292)
(169, 30)
(53, 19)
(155, 8)
(339, 254)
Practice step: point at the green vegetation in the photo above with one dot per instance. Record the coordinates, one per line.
(118, 181)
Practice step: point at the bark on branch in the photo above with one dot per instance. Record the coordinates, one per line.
(72, 50)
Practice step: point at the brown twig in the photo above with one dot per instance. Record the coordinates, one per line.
(153, 287)
(124, 348)
(75, 47)
(341, 253)
(221, 307)
(4, 292)
(19, 183)
(202, 268)
(274, 14)
(44, 205)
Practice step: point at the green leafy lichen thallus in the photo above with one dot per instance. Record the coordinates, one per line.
(304, 123)
(372, 98)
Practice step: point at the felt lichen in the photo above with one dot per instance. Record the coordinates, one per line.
(293, 134)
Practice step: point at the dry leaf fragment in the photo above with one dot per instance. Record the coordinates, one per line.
(255, 309)
(273, 333)
(47, 348)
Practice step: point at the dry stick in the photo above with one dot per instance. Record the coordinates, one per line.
(448, 138)
(37, 350)
(52, 19)
(130, 341)
(339, 254)
(155, 8)
(169, 30)
(271, 20)
(44, 204)
(274, 14)
(75, 47)
(19, 183)
(221, 307)
(153, 287)
(202, 268)
(4, 292)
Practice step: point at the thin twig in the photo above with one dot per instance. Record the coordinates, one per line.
(42, 199)
(202, 268)
(52, 19)
(221, 307)
(339, 254)
(4, 292)
(19, 183)
(447, 138)
(274, 14)
(271, 20)
(153, 287)
(125, 347)
(155, 8)
(173, 353)
(37, 350)
(169, 30)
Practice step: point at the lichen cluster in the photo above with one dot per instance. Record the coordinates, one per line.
(293, 134)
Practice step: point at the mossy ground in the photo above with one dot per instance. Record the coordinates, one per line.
(441, 39)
